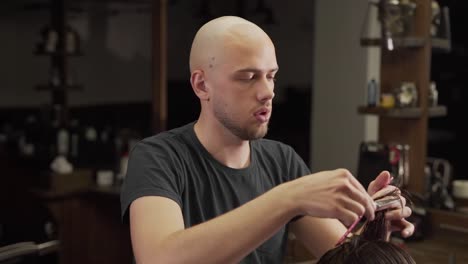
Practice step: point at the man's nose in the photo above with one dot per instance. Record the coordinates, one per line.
(265, 90)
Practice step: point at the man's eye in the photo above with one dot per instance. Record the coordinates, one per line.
(272, 78)
(247, 77)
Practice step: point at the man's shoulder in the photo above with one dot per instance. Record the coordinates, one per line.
(176, 137)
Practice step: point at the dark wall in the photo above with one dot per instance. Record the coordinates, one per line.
(448, 136)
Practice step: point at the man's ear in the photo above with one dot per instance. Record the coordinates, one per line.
(197, 79)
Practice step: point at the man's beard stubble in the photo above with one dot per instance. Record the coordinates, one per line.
(242, 133)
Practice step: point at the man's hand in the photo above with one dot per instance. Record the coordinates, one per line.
(331, 194)
(380, 187)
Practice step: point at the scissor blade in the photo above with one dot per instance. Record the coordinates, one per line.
(387, 202)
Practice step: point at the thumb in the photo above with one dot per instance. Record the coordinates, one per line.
(380, 182)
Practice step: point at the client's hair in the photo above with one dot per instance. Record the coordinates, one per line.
(370, 247)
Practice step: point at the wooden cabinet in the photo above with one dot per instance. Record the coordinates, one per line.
(89, 225)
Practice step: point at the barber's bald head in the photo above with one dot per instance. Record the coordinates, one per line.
(217, 37)
(232, 72)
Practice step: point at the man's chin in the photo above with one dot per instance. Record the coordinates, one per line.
(259, 133)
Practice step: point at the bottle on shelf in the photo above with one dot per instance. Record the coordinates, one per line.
(60, 142)
(49, 40)
(60, 134)
(72, 41)
(54, 79)
(373, 94)
(28, 140)
(433, 94)
(74, 140)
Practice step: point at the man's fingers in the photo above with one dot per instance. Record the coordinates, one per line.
(355, 207)
(381, 181)
(397, 214)
(334, 194)
(379, 188)
(406, 228)
(357, 184)
(356, 202)
(348, 217)
(360, 195)
(384, 191)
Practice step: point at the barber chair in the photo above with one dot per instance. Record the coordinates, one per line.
(28, 234)
(29, 252)
(28, 230)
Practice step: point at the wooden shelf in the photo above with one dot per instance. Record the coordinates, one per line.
(443, 45)
(408, 42)
(408, 113)
(438, 44)
(47, 87)
(56, 53)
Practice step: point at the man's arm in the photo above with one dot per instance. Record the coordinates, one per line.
(158, 234)
(318, 235)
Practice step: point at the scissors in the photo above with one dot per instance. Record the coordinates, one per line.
(382, 203)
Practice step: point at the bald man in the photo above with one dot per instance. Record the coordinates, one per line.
(215, 191)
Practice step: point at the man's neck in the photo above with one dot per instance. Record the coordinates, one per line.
(224, 146)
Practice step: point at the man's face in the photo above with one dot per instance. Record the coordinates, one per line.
(242, 83)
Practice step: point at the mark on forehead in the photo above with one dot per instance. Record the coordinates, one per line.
(212, 60)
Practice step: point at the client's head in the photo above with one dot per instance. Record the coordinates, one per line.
(370, 247)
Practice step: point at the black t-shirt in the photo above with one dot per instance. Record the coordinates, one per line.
(174, 164)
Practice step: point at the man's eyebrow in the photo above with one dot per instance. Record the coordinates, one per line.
(257, 70)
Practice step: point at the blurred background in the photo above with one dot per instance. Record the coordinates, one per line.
(83, 80)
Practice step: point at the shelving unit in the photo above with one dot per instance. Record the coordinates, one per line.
(408, 62)
(59, 60)
(411, 61)
(440, 42)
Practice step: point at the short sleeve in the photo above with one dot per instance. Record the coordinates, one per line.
(153, 170)
(297, 167)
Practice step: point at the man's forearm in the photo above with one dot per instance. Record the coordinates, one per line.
(229, 237)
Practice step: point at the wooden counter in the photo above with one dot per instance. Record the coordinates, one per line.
(447, 241)
(444, 246)
(90, 229)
